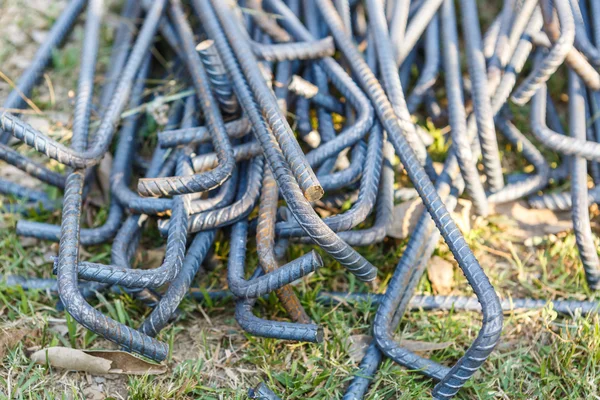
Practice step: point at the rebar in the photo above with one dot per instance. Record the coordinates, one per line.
(364, 83)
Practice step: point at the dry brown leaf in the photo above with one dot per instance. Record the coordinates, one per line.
(14, 174)
(358, 346)
(417, 346)
(405, 216)
(39, 122)
(96, 362)
(128, 364)
(153, 258)
(323, 213)
(360, 343)
(61, 329)
(441, 275)
(531, 222)
(462, 215)
(71, 359)
(10, 337)
(103, 174)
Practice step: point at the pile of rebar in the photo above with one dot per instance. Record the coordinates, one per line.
(293, 105)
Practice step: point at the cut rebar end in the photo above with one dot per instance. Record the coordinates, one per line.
(204, 45)
(314, 193)
(318, 260)
(320, 335)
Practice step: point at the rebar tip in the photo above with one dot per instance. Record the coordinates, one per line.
(318, 260)
(320, 335)
(205, 44)
(313, 139)
(314, 193)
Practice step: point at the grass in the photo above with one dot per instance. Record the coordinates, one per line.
(541, 354)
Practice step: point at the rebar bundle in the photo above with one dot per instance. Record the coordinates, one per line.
(257, 128)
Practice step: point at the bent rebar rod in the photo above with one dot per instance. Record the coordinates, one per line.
(461, 143)
(236, 129)
(481, 95)
(580, 213)
(138, 278)
(301, 209)
(294, 50)
(563, 42)
(209, 180)
(271, 280)
(68, 254)
(119, 172)
(103, 136)
(218, 78)
(266, 99)
(265, 242)
(492, 317)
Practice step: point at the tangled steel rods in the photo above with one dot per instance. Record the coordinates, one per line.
(228, 149)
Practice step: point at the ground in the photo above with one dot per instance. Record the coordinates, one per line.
(540, 355)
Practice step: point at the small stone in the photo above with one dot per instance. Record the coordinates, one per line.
(15, 35)
(39, 36)
(93, 393)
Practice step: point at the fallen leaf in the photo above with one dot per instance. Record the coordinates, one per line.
(405, 217)
(103, 174)
(532, 222)
(153, 258)
(61, 329)
(441, 275)
(39, 122)
(28, 241)
(438, 167)
(71, 359)
(14, 174)
(360, 343)
(128, 364)
(462, 215)
(10, 337)
(358, 346)
(342, 162)
(313, 139)
(96, 362)
(407, 214)
(417, 346)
